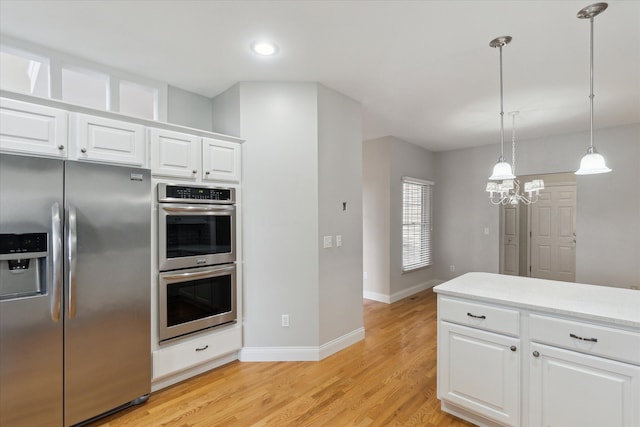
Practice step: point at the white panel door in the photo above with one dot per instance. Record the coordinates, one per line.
(562, 382)
(175, 154)
(32, 129)
(480, 371)
(220, 160)
(510, 239)
(107, 140)
(553, 238)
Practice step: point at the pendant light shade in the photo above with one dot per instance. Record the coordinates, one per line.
(592, 163)
(501, 171)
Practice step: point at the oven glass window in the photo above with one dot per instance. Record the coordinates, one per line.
(198, 235)
(198, 299)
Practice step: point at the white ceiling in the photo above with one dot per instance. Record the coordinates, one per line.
(423, 70)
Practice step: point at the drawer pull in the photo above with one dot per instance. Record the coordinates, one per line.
(583, 339)
(513, 348)
(476, 317)
(203, 348)
(536, 354)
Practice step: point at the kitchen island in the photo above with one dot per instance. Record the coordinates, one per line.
(528, 352)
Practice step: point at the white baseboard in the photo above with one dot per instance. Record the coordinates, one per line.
(390, 299)
(300, 354)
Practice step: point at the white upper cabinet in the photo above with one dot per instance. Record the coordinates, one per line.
(32, 129)
(189, 157)
(175, 154)
(220, 160)
(106, 140)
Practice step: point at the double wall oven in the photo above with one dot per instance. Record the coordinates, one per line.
(196, 258)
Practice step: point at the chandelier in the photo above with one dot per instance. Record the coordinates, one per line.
(505, 190)
(592, 162)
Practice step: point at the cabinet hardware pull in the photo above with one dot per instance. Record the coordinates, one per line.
(513, 348)
(583, 339)
(476, 317)
(207, 173)
(536, 354)
(194, 171)
(60, 147)
(83, 150)
(203, 348)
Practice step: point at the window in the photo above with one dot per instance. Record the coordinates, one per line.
(35, 70)
(138, 100)
(416, 223)
(84, 87)
(23, 72)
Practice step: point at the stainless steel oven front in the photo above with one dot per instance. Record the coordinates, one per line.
(196, 299)
(196, 226)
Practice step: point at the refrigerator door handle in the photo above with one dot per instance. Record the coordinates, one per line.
(56, 261)
(72, 249)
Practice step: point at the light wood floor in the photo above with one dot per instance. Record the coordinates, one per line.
(388, 379)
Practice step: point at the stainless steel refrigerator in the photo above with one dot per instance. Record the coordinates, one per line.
(75, 280)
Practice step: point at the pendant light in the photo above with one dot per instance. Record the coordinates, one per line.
(592, 162)
(502, 169)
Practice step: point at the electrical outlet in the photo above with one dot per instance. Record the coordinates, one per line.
(285, 320)
(452, 268)
(486, 231)
(328, 241)
(339, 240)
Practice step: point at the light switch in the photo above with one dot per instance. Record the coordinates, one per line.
(339, 240)
(328, 241)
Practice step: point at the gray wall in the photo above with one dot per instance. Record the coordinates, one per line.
(188, 109)
(301, 160)
(386, 161)
(339, 180)
(376, 218)
(608, 205)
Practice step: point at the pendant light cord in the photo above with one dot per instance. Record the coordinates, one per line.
(501, 112)
(513, 142)
(591, 95)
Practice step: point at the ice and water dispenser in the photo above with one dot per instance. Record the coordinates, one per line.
(23, 262)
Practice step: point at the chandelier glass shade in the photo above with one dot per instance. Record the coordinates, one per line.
(592, 162)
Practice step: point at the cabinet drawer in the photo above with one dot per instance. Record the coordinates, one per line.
(478, 315)
(592, 339)
(177, 357)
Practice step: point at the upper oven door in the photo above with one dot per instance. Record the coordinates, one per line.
(195, 235)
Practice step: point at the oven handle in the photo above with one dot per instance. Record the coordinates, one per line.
(198, 208)
(198, 274)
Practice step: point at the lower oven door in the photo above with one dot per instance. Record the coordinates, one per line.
(195, 299)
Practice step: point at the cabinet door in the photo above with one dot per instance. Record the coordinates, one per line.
(32, 129)
(107, 140)
(480, 371)
(220, 160)
(568, 388)
(174, 154)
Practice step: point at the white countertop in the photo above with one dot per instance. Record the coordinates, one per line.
(598, 303)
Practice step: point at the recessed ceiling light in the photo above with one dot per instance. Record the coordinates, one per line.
(264, 48)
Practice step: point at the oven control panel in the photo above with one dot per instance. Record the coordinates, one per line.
(195, 194)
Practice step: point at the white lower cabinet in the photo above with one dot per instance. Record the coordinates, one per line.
(575, 373)
(568, 388)
(480, 371)
(172, 358)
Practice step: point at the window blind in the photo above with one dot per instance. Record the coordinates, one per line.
(416, 223)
